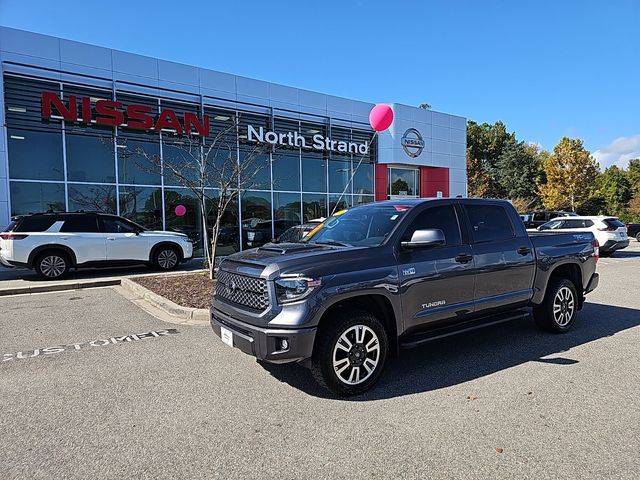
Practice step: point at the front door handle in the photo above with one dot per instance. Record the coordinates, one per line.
(463, 258)
(111, 238)
(524, 251)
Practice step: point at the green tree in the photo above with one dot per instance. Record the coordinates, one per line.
(615, 190)
(571, 173)
(633, 175)
(519, 171)
(485, 145)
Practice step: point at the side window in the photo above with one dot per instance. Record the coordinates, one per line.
(80, 224)
(40, 223)
(573, 224)
(539, 217)
(442, 217)
(489, 223)
(115, 225)
(588, 223)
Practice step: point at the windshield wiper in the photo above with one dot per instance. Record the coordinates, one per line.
(333, 242)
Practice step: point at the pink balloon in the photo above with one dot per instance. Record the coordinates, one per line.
(180, 210)
(380, 117)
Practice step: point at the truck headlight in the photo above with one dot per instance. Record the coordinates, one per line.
(291, 289)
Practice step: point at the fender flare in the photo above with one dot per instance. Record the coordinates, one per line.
(51, 246)
(166, 243)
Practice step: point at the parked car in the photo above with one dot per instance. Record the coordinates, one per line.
(610, 232)
(297, 232)
(53, 243)
(535, 219)
(397, 274)
(633, 230)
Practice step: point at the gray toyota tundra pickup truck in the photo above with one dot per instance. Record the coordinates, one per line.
(397, 274)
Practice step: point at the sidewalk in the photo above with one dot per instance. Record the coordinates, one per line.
(14, 281)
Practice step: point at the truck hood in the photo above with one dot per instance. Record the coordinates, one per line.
(274, 259)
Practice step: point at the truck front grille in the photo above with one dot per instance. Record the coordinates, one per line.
(248, 292)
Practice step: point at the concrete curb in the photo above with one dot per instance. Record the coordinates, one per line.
(191, 316)
(59, 287)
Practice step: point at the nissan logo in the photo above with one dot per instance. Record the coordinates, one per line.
(412, 142)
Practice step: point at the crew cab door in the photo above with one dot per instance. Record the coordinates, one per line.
(503, 254)
(123, 241)
(436, 283)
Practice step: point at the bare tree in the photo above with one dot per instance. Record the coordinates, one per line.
(211, 170)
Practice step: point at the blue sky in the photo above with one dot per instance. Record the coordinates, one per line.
(545, 68)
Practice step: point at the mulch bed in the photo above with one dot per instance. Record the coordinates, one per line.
(192, 290)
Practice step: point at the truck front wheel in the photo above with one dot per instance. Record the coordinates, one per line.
(560, 306)
(351, 352)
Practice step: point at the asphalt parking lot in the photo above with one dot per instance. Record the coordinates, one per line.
(93, 386)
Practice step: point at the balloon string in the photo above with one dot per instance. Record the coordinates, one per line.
(353, 172)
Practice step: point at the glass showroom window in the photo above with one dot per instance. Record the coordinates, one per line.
(142, 205)
(314, 174)
(34, 145)
(337, 203)
(363, 178)
(138, 151)
(256, 219)
(229, 235)
(92, 198)
(339, 174)
(89, 148)
(286, 172)
(314, 206)
(191, 222)
(403, 182)
(34, 197)
(286, 211)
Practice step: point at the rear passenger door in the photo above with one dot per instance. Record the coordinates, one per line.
(435, 283)
(503, 256)
(82, 234)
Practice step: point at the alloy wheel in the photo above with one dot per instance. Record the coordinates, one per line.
(356, 354)
(53, 266)
(563, 306)
(167, 259)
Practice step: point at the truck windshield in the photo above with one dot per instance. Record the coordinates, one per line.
(363, 226)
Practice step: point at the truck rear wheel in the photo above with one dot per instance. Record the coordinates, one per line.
(560, 306)
(351, 352)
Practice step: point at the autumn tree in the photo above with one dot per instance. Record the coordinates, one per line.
(571, 173)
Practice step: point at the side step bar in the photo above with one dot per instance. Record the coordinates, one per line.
(417, 339)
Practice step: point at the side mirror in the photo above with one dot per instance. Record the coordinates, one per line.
(431, 237)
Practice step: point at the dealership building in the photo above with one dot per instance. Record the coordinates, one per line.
(94, 129)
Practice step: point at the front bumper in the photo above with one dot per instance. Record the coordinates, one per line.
(613, 245)
(265, 343)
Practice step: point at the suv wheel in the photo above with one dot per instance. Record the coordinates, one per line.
(638, 236)
(350, 353)
(560, 307)
(166, 258)
(52, 265)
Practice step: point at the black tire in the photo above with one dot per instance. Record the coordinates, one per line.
(638, 236)
(166, 258)
(341, 379)
(52, 265)
(559, 309)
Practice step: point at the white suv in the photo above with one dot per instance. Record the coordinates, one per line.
(610, 232)
(52, 243)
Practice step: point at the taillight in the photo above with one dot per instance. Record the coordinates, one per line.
(596, 250)
(13, 236)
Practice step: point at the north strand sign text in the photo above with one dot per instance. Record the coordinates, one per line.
(295, 140)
